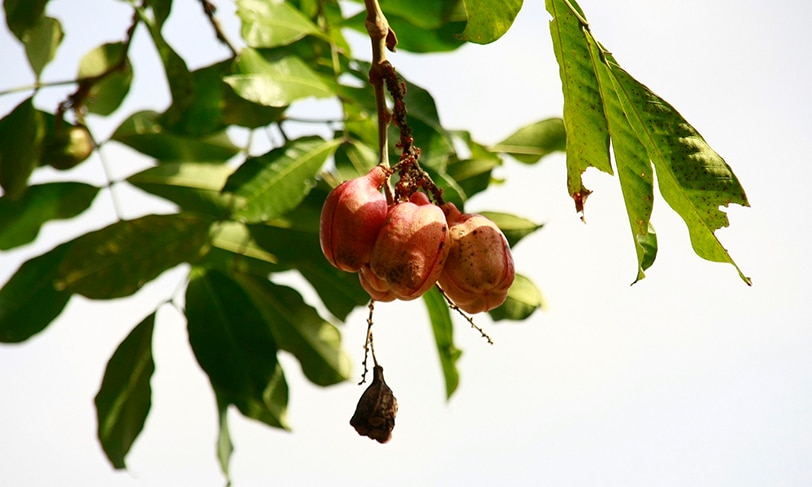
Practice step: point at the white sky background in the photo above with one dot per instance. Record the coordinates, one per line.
(686, 378)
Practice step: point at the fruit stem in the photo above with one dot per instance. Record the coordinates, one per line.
(468, 318)
(382, 38)
(369, 345)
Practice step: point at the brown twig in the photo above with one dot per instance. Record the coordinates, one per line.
(453, 305)
(369, 345)
(210, 9)
(76, 100)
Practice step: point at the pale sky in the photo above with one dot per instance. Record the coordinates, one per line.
(687, 378)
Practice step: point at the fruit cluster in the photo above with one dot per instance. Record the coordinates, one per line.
(400, 250)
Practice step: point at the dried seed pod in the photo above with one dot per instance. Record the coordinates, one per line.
(375, 414)
(411, 248)
(479, 269)
(351, 218)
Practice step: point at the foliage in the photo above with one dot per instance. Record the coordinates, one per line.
(243, 218)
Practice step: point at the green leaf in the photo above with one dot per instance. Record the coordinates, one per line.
(693, 179)
(427, 130)
(225, 448)
(161, 10)
(21, 134)
(272, 23)
(633, 166)
(443, 329)
(201, 111)
(124, 398)
(532, 142)
(213, 105)
(295, 242)
(246, 255)
(142, 132)
(584, 119)
(181, 84)
(29, 301)
(426, 14)
(416, 39)
(514, 227)
(474, 174)
(298, 329)
(193, 186)
(41, 42)
(489, 20)
(107, 93)
(523, 299)
(414, 36)
(117, 260)
(235, 347)
(22, 15)
(20, 221)
(353, 158)
(275, 82)
(241, 112)
(273, 183)
(271, 407)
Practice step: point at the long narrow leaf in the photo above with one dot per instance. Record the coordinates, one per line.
(694, 180)
(584, 119)
(124, 398)
(634, 169)
(443, 329)
(271, 184)
(298, 329)
(193, 186)
(117, 260)
(235, 347)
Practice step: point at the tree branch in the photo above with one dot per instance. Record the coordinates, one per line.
(210, 9)
(383, 38)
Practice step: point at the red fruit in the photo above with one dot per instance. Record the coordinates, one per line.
(411, 248)
(479, 269)
(351, 218)
(375, 287)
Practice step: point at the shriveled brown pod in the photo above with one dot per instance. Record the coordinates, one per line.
(375, 414)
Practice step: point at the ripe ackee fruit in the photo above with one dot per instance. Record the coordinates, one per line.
(411, 248)
(375, 287)
(351, 218)
(479, 269)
